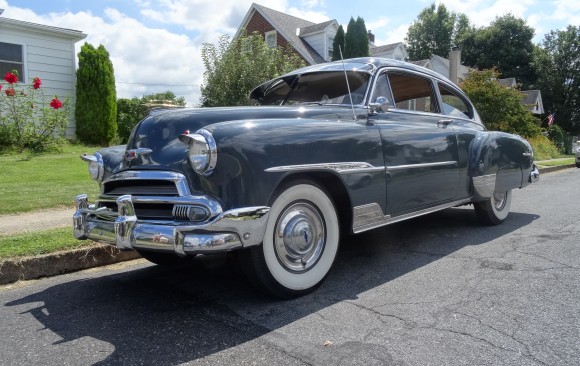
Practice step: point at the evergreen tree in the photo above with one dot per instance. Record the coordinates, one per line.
(338, 44)
(96, 98)
(356, 40)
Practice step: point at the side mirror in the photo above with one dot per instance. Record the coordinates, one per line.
(381, 104)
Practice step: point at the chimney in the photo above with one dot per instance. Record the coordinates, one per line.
(454, 64)
(371, 37)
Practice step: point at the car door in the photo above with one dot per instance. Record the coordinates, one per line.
(419, 143)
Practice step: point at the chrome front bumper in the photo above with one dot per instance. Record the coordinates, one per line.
(227, 231)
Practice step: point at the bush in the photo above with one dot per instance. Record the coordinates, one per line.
(29, 120)
(558, 137)
(544, 148)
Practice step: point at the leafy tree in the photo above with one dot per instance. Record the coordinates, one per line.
(131, 111)
(338, 44)
(499, 107)
(506, 44)
(356, 42)
(234, 67)
(558, 68)
(96, 98)
(435, 31)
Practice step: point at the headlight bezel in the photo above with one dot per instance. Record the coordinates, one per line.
(202, 151)
(96, 166)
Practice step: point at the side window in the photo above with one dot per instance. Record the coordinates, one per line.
(11, 58)
(382, 89)
(412, 92)
(453, 104)
(271, 38)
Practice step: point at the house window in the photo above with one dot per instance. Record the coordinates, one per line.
(271, 38)
(330, 42)
(11, 58)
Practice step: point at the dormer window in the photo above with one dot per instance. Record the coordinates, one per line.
(271, 38)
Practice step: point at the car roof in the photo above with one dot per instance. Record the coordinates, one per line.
(361, 64)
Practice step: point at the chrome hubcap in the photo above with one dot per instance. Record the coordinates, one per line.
(299, 237)
(499, 200)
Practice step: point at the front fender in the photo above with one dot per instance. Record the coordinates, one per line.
(254, 157)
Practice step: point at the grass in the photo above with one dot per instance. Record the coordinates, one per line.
(30, 182)
(41, 242)
(565, 160)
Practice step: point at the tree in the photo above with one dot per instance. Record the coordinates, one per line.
(338, 44)
(131, 111)
(356, 40)
(499, 107)
(234, 67)
(96, 98)
(506, 44)
(435, 31)
(558, 68)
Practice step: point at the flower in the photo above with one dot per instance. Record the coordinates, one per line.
(10, 92)
(11, 78)
(55, 103)
(36, 82)
(0, 86)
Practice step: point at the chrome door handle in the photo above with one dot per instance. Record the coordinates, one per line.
(442, 123)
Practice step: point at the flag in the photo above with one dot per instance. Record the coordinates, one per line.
(550, 119)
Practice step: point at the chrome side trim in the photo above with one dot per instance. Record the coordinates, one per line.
(177, 178)
(368, 215)
(425, 165)
(483, 186)
(341, 168)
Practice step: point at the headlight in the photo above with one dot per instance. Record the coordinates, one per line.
(202, 151)
(96, 166)
(578, 149)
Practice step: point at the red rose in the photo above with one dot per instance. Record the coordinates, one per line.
(55, 103)
(11, 78)
(10, 92)
(0, 86)
(36, 82)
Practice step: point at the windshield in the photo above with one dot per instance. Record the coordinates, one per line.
(321, 87)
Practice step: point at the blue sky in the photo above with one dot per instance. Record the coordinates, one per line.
(156, 45)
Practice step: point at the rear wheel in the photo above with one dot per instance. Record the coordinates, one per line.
(300, 243)
(494, 210)
(166, 259)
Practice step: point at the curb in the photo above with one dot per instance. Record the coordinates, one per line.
(27, 268)
(549, 169)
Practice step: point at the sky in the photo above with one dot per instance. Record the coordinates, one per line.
(156, 45)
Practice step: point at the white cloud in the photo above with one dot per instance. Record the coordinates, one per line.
(392, 36)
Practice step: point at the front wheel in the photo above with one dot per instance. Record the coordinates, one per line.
(494, 210)
(300, 243)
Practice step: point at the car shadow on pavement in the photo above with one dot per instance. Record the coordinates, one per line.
(155, 315)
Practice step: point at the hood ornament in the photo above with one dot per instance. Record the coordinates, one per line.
(135, 153)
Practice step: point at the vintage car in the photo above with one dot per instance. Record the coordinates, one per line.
(336, 148)
(577, 153)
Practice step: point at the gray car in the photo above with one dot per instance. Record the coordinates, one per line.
(333, 149)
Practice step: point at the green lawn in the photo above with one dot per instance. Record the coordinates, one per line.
(41, 242)
(31, 182)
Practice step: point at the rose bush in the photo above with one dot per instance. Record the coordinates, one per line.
(28, 120)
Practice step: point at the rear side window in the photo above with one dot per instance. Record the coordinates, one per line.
(454, 105)
(413, 93)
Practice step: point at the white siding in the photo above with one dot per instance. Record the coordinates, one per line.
(318, 42)
(52, 59)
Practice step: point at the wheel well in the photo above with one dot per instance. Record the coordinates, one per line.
(333, 186)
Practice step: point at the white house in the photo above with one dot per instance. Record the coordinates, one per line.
(42, 51)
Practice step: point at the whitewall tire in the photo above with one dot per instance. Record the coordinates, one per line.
(300, 244)
(496, 209)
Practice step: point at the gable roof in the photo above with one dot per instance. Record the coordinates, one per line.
(287, 26)
(533, 100)
(72, 34)
(375, 50)
(508, 82)
(316, 27)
